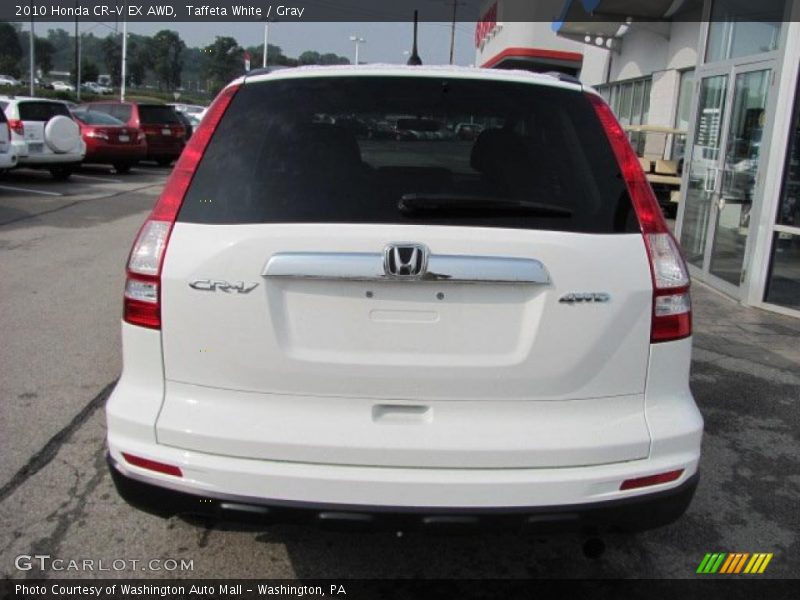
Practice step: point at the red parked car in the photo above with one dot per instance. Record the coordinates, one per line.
(109, 140)
(164, 132)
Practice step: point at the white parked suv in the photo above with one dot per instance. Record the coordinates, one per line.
(8, 155)
(320, 323)
(44, 134)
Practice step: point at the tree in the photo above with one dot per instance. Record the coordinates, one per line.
(333, 59)
(44, 50)
(140, 59)
(112, 54)
(89, 70)
(309, 57)
(223, 62)
(165, 49)
(10, 50)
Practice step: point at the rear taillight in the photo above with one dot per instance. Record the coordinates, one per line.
(100, 134)
(672, 306)
(142, 299)
(16, 126)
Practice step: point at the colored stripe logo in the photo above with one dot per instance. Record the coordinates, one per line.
(734, 563)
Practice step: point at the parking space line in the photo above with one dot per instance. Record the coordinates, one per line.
(19, 189)
(96, 178)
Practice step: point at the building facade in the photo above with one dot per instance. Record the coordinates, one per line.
(725, 72)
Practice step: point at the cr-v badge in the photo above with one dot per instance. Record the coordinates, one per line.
(213, 285)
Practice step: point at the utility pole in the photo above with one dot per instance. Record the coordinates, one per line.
(32, 53)
(453, 31)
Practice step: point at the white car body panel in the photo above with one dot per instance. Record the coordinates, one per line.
(136, 401)
(404, 378)
(8, 153)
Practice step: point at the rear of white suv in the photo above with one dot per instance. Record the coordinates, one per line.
(8, 155)
(44, 134)
(325, 323)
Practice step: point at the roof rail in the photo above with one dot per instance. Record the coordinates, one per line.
(258, 71)
(564, 77)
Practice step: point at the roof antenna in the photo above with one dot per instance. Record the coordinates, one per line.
(414, 60)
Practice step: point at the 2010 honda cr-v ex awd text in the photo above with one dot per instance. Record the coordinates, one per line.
(322, 320)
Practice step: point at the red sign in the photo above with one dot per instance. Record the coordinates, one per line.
(485, 25)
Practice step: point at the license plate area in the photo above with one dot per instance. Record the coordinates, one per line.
(124, 138)
(166, 131)
(35, 148)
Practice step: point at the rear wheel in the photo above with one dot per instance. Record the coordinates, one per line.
(61, 173)
(122, 167)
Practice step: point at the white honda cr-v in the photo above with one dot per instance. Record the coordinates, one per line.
(324, 319)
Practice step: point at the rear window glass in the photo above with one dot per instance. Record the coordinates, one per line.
(411, 151)
(41, 111)
(153, 113)
(121, 112)
(93, 117)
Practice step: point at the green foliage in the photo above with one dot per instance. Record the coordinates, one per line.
(10, 50)
(223, 62)
(161, 61)
(44, 51)
(165, 51)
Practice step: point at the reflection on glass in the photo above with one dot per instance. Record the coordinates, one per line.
(702, 173)
(739, 175)
(789, 209)
(783, 286)
(743, 28)
(683, 113)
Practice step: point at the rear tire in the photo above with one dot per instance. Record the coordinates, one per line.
(122, 168)
(61, 173)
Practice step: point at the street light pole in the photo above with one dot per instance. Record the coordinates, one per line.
(358, 41)
(33, 58)
(124, 59)
(266, 43)
(77, 55)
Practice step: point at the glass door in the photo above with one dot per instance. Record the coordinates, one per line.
(704, 163)
(723, 171)
(739, 176)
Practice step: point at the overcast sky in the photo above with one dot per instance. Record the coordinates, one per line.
(385, 41)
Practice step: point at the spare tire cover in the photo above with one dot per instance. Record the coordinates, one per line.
(61, 134)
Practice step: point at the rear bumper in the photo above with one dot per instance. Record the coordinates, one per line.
(635, 513)
(8, 160)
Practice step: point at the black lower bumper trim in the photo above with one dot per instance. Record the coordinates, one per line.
(628, 514)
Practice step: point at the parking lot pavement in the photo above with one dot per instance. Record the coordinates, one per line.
(26, 192)
(62, 280)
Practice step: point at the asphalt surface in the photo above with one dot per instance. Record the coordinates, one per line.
(61, 277)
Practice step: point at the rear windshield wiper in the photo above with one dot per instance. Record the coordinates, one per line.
(466, 203)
